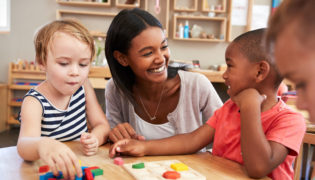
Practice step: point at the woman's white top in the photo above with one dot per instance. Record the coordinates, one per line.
(197, 102)
(153, 131)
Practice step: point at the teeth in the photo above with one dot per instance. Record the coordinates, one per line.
(158, 70)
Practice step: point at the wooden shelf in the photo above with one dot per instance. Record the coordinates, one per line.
(206, 7)
(89, 13)
(15, 104)
(199, 39)
(20, 87)
(13, 121)
(122, 5)
(163, 16)
(218, 30)
(185, 5)
(84, 3)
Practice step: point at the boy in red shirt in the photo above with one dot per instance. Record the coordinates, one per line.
(254, 128)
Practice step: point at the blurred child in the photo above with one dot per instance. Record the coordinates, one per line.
(291, 41)
(254, 128)
(58, 108)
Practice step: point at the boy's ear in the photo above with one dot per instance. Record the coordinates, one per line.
(263, 71)
(121, 58)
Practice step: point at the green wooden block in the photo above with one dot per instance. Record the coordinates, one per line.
(97, 172)
(138, 166)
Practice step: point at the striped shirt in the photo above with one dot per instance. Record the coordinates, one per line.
(62, 125)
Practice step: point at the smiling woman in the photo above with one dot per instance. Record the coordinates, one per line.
(144, 99)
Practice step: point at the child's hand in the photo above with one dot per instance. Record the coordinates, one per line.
(128, 147)
(59, 157)
(89, 143)
(124, 131)
(248, 97)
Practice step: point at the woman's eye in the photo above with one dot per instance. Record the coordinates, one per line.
(164, 47)
(147, 54)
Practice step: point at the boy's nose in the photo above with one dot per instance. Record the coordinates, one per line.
(224, 75)
(74, 70)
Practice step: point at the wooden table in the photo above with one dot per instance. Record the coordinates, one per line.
(213, 167)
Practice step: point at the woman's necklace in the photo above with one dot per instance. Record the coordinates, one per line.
(157, 108)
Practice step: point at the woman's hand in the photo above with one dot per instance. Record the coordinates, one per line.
(59, 157)
(127, 147)
(89, 143)
(124, 131)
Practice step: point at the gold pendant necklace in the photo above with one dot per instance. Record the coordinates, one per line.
(157, 108)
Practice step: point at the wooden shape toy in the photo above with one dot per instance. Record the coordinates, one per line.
(118, 161)
(179, 167)
(171, 175)
(43, 169)
(156, 170)
(138, 166)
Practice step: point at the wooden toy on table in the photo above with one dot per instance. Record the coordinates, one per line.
(167, 169)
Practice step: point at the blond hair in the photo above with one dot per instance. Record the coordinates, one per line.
(301, 12)
(72, 27)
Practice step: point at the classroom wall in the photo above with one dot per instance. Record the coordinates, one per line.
(27, 16)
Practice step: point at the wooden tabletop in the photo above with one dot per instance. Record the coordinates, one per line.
(213, 167)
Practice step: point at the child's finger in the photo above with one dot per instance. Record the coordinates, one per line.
(115, 147)
(52, 165)
(84, 136)
(89, 141)
(76, 164)
(61, 166)
(70, 165)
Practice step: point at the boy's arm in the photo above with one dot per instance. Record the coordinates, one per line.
(179, 144)
(260, 155)
(30, 129)
(95, 114)
(31, 146)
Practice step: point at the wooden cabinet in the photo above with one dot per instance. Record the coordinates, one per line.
(208, 15)
(84, 3)
(3, 106)
(213, 28)
(22, 78)
(206, 20)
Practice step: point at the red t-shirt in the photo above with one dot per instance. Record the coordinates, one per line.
(280, 124)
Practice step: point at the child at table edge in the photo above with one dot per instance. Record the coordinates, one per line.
(58, 108)
(254, 128)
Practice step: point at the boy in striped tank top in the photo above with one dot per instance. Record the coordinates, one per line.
(57, 109)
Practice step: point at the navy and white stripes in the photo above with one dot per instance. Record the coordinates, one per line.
(63, 125)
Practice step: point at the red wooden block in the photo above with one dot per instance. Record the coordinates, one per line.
(93, 167)
(88, 174)
(171, 175)
(43, 169)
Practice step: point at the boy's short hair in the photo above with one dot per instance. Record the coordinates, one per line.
(300, 11)
(251, 46)
(45, 35)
